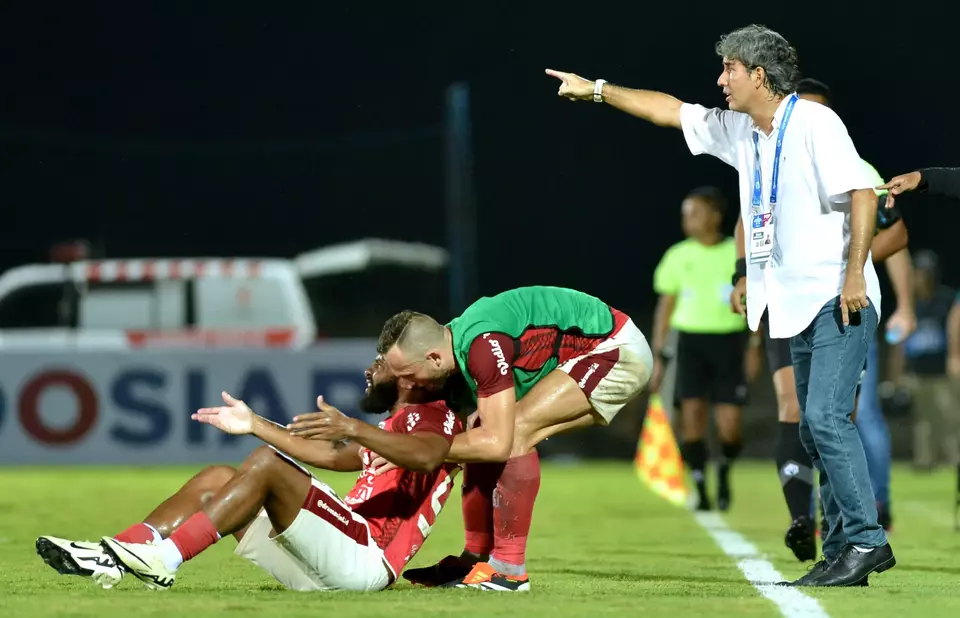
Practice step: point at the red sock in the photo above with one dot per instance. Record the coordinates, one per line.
(479, 483)
(137, 533)
(194, 535)
(513, 508)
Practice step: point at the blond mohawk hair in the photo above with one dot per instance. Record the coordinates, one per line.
(413, 333)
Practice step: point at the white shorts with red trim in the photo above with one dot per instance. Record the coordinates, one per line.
(616, 371)
(327, 547)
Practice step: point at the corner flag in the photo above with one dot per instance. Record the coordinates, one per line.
(658, 460)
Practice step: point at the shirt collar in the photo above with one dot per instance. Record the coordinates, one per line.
(777, 117)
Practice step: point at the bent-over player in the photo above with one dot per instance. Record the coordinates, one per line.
(538, 361)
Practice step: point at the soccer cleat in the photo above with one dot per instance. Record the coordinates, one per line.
(144, 561)
(449, 569)
(701, 501)
(801, 538)
(702, 504)
(724, 497)
(723, 500)
(80, 558)
(484, 577)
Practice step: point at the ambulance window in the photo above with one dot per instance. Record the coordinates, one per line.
(48, 305)
(241, 303)
(133, 305)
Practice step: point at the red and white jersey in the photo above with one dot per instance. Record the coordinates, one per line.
(401, 506)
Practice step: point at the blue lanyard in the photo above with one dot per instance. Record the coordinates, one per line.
(757, 197)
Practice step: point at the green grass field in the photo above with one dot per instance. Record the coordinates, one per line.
(601, 545)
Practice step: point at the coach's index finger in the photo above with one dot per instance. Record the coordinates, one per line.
(844, 312)
(558, 74)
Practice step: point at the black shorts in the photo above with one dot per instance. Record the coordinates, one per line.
(711, 367)
(778, 355)
(778, 352)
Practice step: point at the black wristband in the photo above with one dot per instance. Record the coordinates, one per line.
(740, 270)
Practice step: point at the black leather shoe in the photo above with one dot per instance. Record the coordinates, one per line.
(813, 574)
(853, 567)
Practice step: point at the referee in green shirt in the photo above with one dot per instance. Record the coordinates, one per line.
(693, 284)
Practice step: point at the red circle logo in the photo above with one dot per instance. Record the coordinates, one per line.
(30, 413)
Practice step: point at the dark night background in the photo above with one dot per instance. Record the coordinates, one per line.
(247, 129)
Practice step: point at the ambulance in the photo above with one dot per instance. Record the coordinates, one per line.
(339, 291)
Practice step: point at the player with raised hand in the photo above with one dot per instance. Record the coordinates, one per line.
(288, 522)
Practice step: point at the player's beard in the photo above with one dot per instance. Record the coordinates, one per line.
(380, 397)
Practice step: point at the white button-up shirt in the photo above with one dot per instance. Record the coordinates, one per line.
(819, 166)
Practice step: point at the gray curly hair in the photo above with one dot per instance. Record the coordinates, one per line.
(759, 46)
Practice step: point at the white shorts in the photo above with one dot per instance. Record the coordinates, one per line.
(327, 547)
(614, 372)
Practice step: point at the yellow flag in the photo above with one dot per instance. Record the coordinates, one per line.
(658, 460)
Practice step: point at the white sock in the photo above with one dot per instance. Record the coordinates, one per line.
(156, 534)
(863, 550)
(170, 554)
(504, 568)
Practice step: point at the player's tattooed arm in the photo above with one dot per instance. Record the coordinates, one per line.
(339, 456)
(422, 451)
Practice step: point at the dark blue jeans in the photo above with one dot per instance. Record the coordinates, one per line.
(827, 360)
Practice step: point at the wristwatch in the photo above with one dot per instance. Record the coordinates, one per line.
(598, 90)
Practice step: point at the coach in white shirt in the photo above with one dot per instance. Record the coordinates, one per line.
(810, 211)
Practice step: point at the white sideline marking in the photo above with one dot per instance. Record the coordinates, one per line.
(760, 573)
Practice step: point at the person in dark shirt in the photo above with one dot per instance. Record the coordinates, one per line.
(933, 180)
(925, 354)
(943, 181)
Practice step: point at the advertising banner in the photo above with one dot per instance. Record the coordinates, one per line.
(134, 407)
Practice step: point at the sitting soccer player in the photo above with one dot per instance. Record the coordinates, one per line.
(286, 521)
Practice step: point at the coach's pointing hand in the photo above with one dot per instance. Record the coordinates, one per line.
(235, 418)
(573, 86)
(327, 424)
